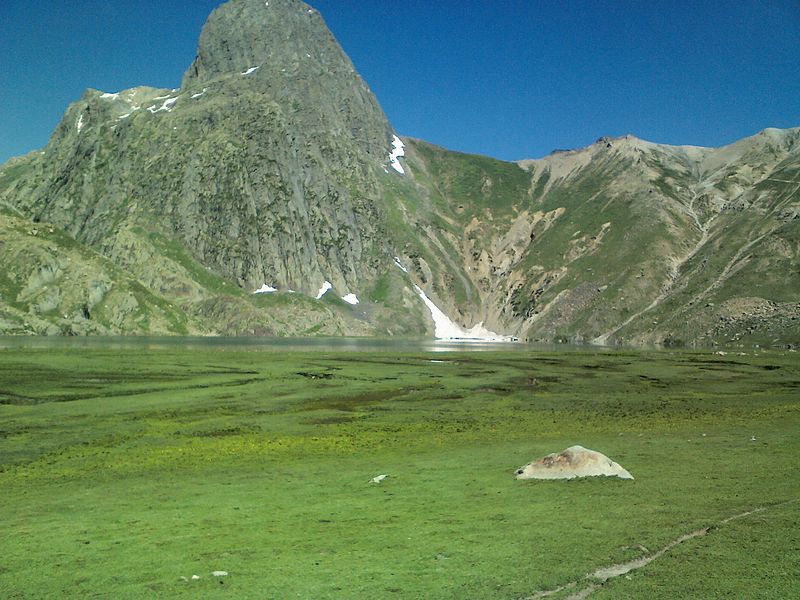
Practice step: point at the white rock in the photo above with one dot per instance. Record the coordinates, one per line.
(220, 573)
(378, 478)
(573, 462)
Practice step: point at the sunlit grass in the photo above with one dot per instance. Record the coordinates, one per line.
(123, 472)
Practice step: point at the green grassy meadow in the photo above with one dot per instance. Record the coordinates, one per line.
(124, 471)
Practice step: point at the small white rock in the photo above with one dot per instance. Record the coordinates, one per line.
(378, 478)
(195, 577)
(220, 573)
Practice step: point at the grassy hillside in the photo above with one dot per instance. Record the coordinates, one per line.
(624, 241)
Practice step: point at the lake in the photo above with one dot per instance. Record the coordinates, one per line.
(276, 344)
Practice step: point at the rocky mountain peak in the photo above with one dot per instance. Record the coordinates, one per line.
(253, 34)
(282, 51)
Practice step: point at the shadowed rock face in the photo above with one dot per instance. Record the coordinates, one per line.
(262, 165)
(289, 55)
(573, 462)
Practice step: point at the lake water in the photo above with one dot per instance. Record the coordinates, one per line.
(278, 344)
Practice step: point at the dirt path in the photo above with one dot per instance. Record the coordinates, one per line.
(591, 582)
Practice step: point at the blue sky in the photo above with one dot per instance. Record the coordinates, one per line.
(506, 78)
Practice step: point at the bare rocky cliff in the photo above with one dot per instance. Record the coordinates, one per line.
(261, 169)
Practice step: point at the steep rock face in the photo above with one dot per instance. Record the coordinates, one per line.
(290, 56)
(262, 168)
(263, 163)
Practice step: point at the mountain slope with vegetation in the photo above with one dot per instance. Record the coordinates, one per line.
(624, 241)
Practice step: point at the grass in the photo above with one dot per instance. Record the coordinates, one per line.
(123, 471)
(477, 182)
(205, 277)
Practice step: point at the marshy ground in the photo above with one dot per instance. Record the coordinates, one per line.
(124, 471)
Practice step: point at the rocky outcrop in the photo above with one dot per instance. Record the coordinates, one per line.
(262, 164)
(573, 462)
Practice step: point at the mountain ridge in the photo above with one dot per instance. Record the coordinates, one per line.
(271, 168)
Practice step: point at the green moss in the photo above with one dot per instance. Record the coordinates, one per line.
(380, 290)
(203, 276)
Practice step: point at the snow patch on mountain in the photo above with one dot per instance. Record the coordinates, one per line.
(126, 115)
(167, 106)
(324, 289)
(446, 329)
(398, 151)
(399, 264)
(266, 289)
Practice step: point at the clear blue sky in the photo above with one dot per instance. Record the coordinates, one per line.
(506, 78)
